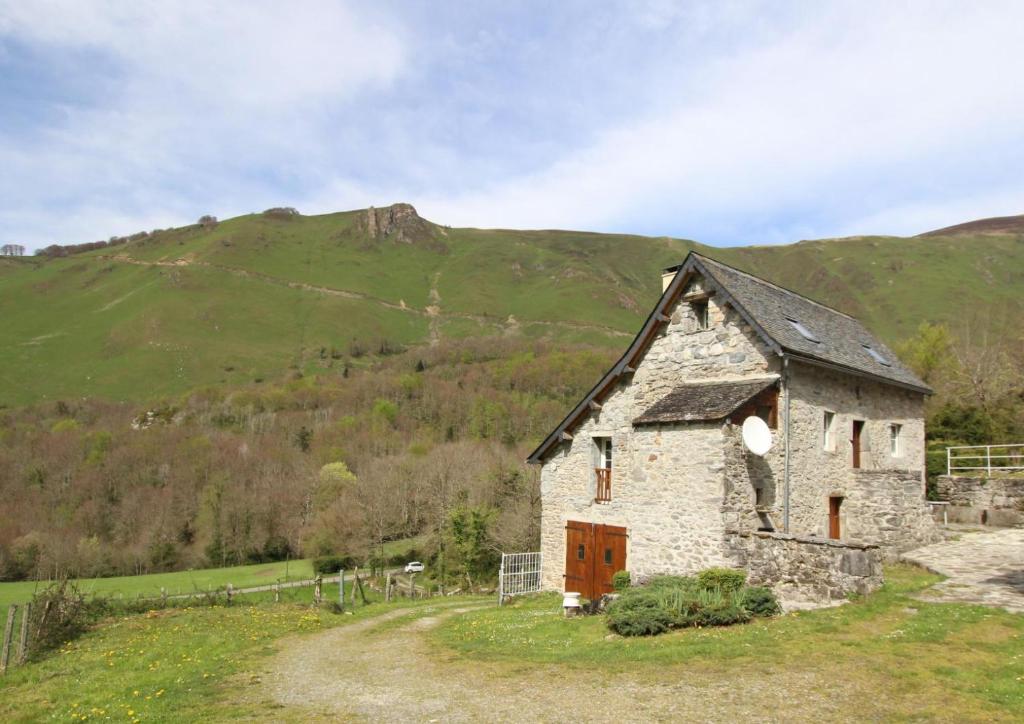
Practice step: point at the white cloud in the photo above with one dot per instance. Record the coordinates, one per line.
(847, 99)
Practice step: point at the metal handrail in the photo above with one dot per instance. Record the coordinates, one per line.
(959, 454)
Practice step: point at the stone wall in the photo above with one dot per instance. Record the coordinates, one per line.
(817, 474)
(667, 481)
(888, 507)
(988, 501)
(804, 570)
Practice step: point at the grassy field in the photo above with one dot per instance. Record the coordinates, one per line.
(180, 582)
(920, 660)
(256, 298)
(178, 664)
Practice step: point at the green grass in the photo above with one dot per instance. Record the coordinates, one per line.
(179, 582)
(178, 664)
(87, 325)
(931, 660)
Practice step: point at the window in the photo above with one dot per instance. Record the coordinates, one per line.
(804, 332)
(876, 356)
(700, 311)
(828, 431)
(896, 440)
(581, 552)
(607, 556)
(603, 469)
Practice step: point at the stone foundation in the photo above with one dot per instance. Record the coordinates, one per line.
(887, 507)
(987, 501)
(805, 570)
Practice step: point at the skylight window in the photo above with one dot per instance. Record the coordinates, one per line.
(806, 333)
(876, 356)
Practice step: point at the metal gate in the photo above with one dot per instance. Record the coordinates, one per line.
(519, 574)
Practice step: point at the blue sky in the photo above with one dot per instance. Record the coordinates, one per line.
(725, 122)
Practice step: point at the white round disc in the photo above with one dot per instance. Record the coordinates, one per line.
(756, 435)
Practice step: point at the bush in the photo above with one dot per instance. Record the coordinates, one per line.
(330, 565)
(638, 616)
(621, 580)
(60, 613)
(760, 601)
(726, 580)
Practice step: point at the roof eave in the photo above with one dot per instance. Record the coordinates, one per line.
(812, 360)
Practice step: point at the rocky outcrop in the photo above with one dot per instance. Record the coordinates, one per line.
(401, 223)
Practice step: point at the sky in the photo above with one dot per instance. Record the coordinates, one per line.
(731, 123)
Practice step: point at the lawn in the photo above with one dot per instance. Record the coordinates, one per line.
(177, 664)
(921, 660)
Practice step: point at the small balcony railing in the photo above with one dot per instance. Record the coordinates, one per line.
(604, 485)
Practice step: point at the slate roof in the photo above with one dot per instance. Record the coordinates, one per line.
(842, 340)
(702, 401)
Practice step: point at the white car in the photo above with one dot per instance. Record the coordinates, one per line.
(414, 567)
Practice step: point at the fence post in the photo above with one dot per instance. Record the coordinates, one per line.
(341, 589)
(412, 585)
(501, 579)
(949, 461)
(277, 592)
(5, 654)
(317, 591)
(23, 639)
(163, 596)
(355, 577)
(229, 591)
(387, 589)
(988, 459)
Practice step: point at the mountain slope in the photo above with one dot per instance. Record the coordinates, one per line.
(256, 296)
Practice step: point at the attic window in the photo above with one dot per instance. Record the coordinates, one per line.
(876, 356)
(700, 311)
(804, 332)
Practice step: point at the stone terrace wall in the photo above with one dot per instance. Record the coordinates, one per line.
(890, 511)
(990, 501)
(808, 570)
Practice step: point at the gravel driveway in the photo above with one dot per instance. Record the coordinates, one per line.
(363, 672)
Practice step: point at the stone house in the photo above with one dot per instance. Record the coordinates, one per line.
(648, 473)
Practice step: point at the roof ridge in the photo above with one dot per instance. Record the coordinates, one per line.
(774, 285)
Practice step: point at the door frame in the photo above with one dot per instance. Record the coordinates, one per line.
(835, 505)
(590, 575)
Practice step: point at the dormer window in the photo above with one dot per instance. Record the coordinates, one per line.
(700, 312)
(804, 332)
(876, 356)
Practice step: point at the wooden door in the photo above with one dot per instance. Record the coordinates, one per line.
(858, 430)
(833, 517)
(579, 568)
(593, 554)
(609, 556)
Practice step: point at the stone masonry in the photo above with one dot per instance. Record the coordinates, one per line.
(995, 501)
(691, 496)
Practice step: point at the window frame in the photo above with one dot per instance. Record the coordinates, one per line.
(701, 313)
(828, 430)
(896, 440)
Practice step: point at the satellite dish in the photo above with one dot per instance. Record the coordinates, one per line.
(756, 436)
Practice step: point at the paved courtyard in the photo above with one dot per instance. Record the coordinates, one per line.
(982, 567)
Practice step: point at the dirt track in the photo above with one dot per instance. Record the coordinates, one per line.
(391, 674)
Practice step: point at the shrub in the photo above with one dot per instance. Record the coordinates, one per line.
(724, 579)
(760, 601)
(621, 580)
(330, 565)
(60, 613)
(638, 616)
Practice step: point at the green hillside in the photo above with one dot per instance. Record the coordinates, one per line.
(257, 296)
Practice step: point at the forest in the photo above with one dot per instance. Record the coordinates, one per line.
(427, 442)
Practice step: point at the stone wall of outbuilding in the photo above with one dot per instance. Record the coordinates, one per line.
(805, 570)
(995, 501)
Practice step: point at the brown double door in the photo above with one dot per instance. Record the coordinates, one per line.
(593, 554)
